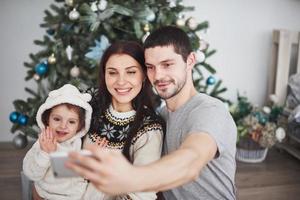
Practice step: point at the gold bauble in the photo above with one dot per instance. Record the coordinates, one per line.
(51, 59)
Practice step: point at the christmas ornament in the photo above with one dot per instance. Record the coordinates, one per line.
(74, 15)
(262, 119)
(102, 5)
(203, 45)
(52, 59)
(145, 36)
(146, 29)
(180, 22)
(69, 51)
(94, 6)
(13, 117)
(151, 16)
(266, 109)
(41, 68)
(172, 3)
(273, 98)
(200, 56)
(20, 141)
(74, 72)
(280, 134)
(210, 80)
(192, 23)
(69, 2)
(50, 31)
(22, 120)
(96, 52)
(36, 77)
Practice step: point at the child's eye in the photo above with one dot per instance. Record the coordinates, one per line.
(72, 122)
(56, 119)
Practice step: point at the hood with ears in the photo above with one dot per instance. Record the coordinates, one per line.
(71, 95)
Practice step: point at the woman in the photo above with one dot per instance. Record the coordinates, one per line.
(123, 113)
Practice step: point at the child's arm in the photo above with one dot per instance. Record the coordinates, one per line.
(37, 161)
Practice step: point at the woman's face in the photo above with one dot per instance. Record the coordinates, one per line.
(124, 80)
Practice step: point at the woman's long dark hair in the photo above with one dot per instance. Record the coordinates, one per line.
(143, 103)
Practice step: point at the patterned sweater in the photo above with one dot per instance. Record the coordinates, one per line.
(145, 147)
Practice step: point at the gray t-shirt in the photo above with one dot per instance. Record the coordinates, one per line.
(203, 113)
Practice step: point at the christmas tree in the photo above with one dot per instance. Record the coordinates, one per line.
(76, 34)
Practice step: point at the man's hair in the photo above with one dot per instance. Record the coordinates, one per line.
(170, 36)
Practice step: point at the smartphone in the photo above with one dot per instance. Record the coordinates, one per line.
(58, 160)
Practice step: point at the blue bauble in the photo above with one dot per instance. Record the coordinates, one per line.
(210, 80)
(13, 117)
(22, 120)
(41, 68)
(50, 31)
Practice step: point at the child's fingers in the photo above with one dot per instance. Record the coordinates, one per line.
(42, 135)
(48, 133)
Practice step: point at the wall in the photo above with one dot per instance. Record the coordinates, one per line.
(240, 31)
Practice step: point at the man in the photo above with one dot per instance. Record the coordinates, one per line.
(199, 147)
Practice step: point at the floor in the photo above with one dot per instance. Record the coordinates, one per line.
(278, 177)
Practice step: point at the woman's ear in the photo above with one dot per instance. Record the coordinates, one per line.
(191, 60)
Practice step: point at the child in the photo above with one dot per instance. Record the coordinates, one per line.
(64, 119)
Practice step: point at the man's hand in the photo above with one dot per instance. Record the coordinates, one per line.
(47, 140)
(108, 170)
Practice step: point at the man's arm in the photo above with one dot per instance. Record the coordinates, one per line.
(181, 166)
(111, 173)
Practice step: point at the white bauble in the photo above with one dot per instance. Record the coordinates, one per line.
(266, 109)
(94, 7)
(36, 77)
(273, 98)
(192, 23)
(280, 134)
(200, 56)
(102, 5)
(180, 22)
(69, 2)
(203, 45)
(74, 15)
(75, 71)
(150, 17)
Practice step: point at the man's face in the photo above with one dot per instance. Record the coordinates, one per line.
(166, 70)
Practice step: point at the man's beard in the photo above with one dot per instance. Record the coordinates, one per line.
(167, 95)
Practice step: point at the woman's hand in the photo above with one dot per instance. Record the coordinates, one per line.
(108, 170)
(101, 142)
(47, 140)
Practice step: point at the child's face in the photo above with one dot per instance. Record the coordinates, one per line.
(64, 122)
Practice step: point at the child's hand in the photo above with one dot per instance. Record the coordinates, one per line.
(101, 142)
(47, 140)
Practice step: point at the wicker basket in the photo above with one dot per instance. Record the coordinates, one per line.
(251, 156)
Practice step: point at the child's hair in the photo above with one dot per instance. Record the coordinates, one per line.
(80, 111)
